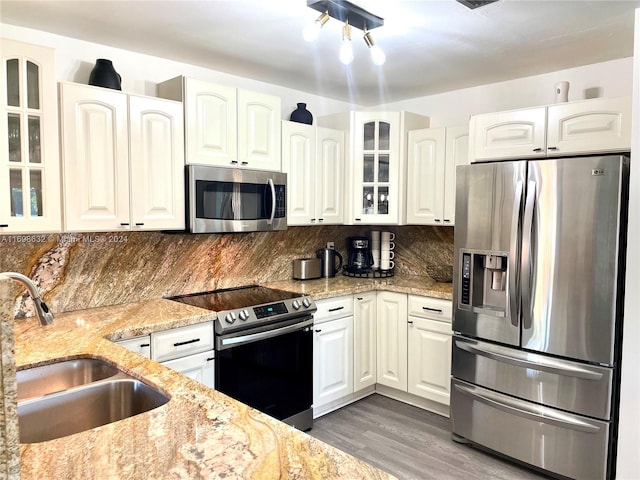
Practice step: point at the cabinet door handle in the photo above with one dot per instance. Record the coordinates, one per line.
(437, 310)
(179, 344)
(446, 220)
(234, 162)
(537, 150)
(321, 219)
(4, 225)
(318, 331)
(210, 359)
(359, 298)
(410, 322)
(552, 148)
(245, 163)
(124, 224)
(313, 220)
(436, 220)
(139, 224)
(143, 345)
(335, 309)
(358, 219)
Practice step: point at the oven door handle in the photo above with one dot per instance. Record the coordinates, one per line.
(226, 343)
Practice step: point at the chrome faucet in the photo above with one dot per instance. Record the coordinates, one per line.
(42, 311)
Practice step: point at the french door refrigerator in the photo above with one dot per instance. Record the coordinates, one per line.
(538, 295)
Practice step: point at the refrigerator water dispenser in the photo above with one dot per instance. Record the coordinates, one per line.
(483, 281)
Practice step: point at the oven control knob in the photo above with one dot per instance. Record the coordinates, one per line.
(306, 302)
(296, 305)
(244, 315)
(230, 317)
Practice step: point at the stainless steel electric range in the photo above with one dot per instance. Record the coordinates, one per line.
(264, 349)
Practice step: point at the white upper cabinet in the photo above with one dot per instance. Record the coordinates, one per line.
(573, 128)
(313, 158)
(156, 163)
(259, 118)
(513, 134)
(376, 163)
(425, 176)
(591, 126)
(211, 117)
(298, 162)
(432, 157)
(123, 160)
(457, 153)
(226, 126)
(329, 174)
(29, 159)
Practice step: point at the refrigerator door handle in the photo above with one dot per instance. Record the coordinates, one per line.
(530, 411)
(529, 361)
(527, 251)
(513, 254)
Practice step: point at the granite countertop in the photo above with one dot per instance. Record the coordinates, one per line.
(200, 433)
(343, 285)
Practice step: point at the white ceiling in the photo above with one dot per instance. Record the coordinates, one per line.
(432, 46)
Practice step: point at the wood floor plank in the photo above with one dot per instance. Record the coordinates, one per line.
(410, 443)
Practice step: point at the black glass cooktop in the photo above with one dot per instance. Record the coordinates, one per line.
(234, 298)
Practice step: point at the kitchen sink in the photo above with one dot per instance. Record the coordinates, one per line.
(81, 397)
(56, 377)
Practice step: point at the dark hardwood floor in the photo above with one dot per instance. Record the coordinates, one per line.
(410, 443)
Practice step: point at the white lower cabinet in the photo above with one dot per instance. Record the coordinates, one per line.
(140, 345)
(199, 367)
(364, 340)
(429, 348)
(332, 350)
(392, 339)
(188, 350)
(414, 345)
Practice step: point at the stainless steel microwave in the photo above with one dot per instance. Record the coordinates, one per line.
(228, 200)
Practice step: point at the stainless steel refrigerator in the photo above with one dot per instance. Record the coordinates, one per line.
(538, 295)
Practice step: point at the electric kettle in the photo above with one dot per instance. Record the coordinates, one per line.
(328, 256)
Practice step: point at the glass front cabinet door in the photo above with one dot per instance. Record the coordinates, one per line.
(376, 168)
(29, 162)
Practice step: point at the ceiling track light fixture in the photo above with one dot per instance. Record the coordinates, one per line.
(352, 16)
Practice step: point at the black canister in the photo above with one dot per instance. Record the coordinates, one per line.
(104, 75)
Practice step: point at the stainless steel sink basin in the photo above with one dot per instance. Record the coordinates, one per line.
(56, 377)
(64, 398)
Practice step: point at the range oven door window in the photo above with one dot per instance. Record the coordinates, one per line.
(273, 375)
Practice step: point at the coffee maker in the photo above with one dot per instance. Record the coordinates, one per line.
(360, 259)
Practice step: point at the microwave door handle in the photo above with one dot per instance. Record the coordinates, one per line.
(273, 201)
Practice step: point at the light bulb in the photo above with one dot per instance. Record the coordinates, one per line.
(377, 55)
(311, 31)
(346, 49)
(346, 52)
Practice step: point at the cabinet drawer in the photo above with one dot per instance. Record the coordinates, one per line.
(332, 308)
(140, 345)
(179, 342)
(432, 308)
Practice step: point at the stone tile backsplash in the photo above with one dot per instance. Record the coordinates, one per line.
(78, 271)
